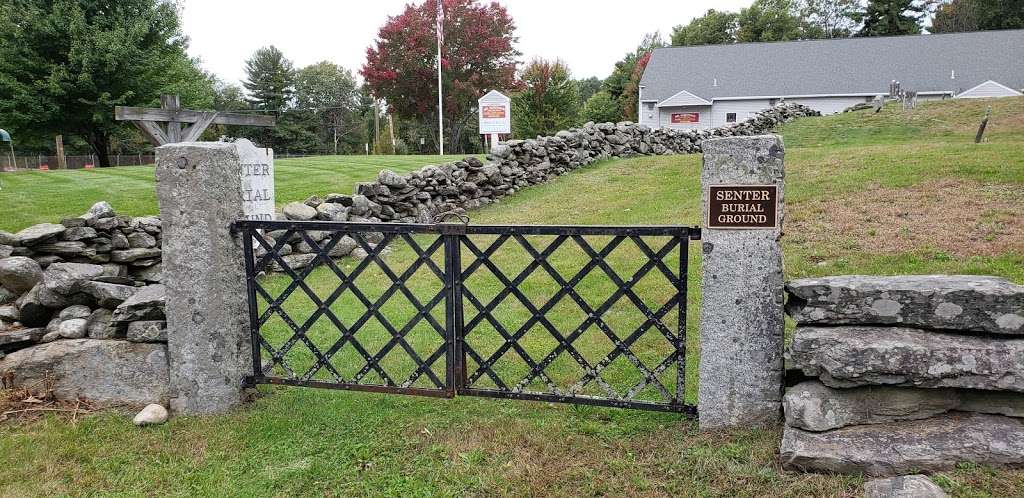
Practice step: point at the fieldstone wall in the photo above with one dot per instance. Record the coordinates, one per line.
(81, 307)
(908, 374)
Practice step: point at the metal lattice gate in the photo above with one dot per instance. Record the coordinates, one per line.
(578, 314)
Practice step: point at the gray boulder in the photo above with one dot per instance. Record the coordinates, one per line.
(99, 210)
(105, 372)
(294, 261)
(10, 313)
(67, 278)
(330, 211)
(152, 274)
(62, 248)
(392, 179)
(40, 233)
(814, 406)
(1000, 403)
(914, 486)
(20, 273)
(930, 445)
(147, 331)
(8, 239)
(34, 313)
(954, 302)
(141, 240)
(107, 295)
(299, 211)
(146, 304)
(851, 356)
(74, 311)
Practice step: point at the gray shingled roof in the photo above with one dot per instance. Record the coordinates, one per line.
(839, 66)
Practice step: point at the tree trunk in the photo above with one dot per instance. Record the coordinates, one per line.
(99, 142)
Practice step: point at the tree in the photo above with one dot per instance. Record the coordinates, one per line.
(548, 101)
(768, 20)
(65, 64)
(713, 28)
(828, 18)
(270, 79)
(330, 93)
(601, 108)
(623, 83)
(588, 87)
(630, 99)
(477, 56)
(975, 15)
(891, 18)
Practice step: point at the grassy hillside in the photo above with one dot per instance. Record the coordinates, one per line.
(30, 197)
(864, 195)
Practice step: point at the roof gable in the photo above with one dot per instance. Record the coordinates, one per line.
(989, 89)
(683, 98)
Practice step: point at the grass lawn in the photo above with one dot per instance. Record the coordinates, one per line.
(878, 194)
(30, 197)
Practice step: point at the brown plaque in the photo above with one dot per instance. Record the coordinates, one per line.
(743, 206)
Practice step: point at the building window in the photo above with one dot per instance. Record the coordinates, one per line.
(730, 117)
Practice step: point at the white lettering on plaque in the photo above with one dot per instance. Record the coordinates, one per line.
(257, 174)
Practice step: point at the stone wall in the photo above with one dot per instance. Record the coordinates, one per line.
(905, 374)
(81, 307)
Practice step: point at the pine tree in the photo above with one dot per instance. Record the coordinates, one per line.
(270, 79)
(892, 18)
(549, 101)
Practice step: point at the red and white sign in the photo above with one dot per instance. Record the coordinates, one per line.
(495, 110)
(685, 117)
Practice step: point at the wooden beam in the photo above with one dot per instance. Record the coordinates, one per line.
(172, 103)
(152, 131)
(191, 134)
(124, 113)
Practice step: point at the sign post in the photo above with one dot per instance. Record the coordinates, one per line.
(495, 110)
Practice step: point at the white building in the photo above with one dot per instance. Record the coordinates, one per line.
(712, 85)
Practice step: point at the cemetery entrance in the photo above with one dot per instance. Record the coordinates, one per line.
(578, 314)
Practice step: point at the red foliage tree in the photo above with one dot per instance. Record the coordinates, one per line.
(631, 92)
(477, 56)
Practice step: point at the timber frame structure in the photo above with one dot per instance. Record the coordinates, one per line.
(195, 122)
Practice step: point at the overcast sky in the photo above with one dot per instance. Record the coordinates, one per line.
(590, 35)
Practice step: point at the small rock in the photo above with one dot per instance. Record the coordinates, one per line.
(75, 311)
(50, 336)
(130, 255)
(65, 278)
(119, 241)
(146, 304)
(152, 414)
(99, 325)
(73, 329)
(141, 240)
(11, 340)
(99, 210)
(10, 313)
(913, 486)
(108, 295)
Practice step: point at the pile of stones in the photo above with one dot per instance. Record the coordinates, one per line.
(83, 297)
(905, 374)
(423, 195)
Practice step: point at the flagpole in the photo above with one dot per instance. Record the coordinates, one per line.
(440, 89)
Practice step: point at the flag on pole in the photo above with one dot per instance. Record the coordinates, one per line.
(440, 101)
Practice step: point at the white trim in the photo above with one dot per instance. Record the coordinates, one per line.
(649, 100)
(700, 100)
(979, 85)
(866, 94)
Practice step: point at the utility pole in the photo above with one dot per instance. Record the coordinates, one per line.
(376, 126)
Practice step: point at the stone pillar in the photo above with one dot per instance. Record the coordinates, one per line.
(741, 317)
(200, 193)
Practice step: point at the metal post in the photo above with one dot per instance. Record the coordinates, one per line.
(455, 366)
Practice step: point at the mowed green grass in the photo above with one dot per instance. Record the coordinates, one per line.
(294, 441)
(30, 197)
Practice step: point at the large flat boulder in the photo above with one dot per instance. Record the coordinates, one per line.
(147, 303)
(814, 406)
(898, 448)
(851, 356)
(102, 371)
(948, 302)
(39, 233)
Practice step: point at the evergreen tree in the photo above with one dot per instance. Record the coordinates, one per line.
(977, 15)
(601, 108)
(891, 18)
(769, 20)
(549, 100)
(588, 87)
(65, 64)
(270, 79)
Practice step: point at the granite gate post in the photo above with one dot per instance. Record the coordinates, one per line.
(208, 344)
(741, 318)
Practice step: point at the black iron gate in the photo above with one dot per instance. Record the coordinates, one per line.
(578, 314)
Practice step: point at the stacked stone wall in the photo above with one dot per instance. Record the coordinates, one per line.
(906, 374)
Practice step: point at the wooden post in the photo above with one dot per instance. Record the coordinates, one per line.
(984, 123)
(171, 114)
(62, 161)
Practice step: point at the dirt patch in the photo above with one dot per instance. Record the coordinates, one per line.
(951, 216)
